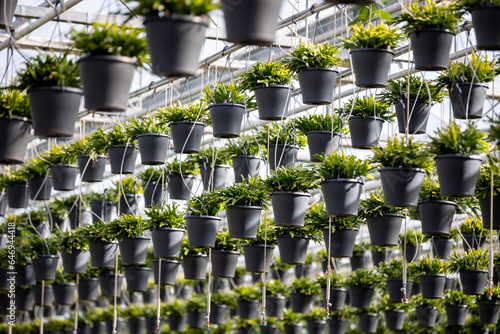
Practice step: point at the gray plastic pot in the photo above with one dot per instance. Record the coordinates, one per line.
(88, 289)
(179, 186)
(486, 28)
(247, 309)
(432, 285)
(473, 282)
(337, 326)
(365, 131)
(485, 204)
(101, 210)
(342, 196)
(378, 257)
(401, 185)
(168, 273)
(467, 100)
(442, 248)
(153, 148)
(187, 136)
(74, 262)
(137, 324)
(431, 48)
(293, 250)
(107, 284)
(472, 241)
(174, 43)
(361, 296)
(195, 266)
(63, 177)
(196, 319)
(317, 84)
(456, 314)
(316, 327)
(394, 319)
(293, 329)
(176, 322)
(40, 188)
(17, 195)
(137, 278)
(25, 275)
(167, 241)
(322, 142)
(488, 312)
(371, 67)
(64, 293)
(44, 267)
(122, 158)
(226, 119)
(394, 287)
(7, 9)
(342, 242)
(245, 166)
(282, 155)
(290, 206)
(25, 300)
(384, 230)
(92, 170)
(48, 295)
(337, 298)
(457, 174)
(419, 115)
(254, 258)
(426, 316)
(202, 230)
(54, 110)
(436, 216)
(133, 251)
(224, 263)
(153, 193)
(214, 178)
(14, 136)
(368, 322)
(127, 204)
(275, 306)
(243, 221)
(273, 101)
(218, 313)
(300, 302)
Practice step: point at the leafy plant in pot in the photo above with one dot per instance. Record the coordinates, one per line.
(43, 251)
(404, 163)
(16, 189)
(194, 261)
(152, 138)
(74, 251)
(276, 296)
(293, 322)
(293, 242)
(371, 56)
(167, 229)
(488, 305)
(456, 305)
(487, 198)
(270, 83)
(259, 247)
(128, 230)
(121, 149)
(245, 154)
(225, 255)
(471, 230)
(472, 267)
(196, 311)
(214, 168)
(54, 94)
(395, 313)
(315, 320)
(431, 278)
(201, 219)
(314, 65)
(362, 284)
(411, 243)
(247, 301)
(338, 293)
(302, 294)
(456, 160)
(221, 301)
(36, 172)
(427, 310)
(154, 183)
(393, 273)
(91, 157)
(180, 177)
(486, 28)
(63, 167)
(112, 54)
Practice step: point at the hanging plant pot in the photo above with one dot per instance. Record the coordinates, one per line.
(254, 258)
(317, 85)
(187, 136)
(25, 300)
(368, 322)
(195, 266)
(432, 285)
(128, 204)
(280, 275)
(401, 185)
(272, 101)
(88, 289)
(485, 204)
(472, 241)
(176, 322)
(218, 314)
(302, 270)
(395, 319)
(337, 298)
(456, 314)
(269, 329)
(64, 293)
(431, 48)
(412, 252)
(300, 302)
(337, 326)
(226, 119)
(358, 262)
(214, 178)
(137, 278)
(457, 174)
(316, 327)
(202, 230)
(174, 43)
(74, 262)
(245, 166)
(169, 270)
(44, 267)
(365, 131)
(92, 170)
(25, 275)
(322, 142)
(419, 115)
(54, 110)
(436, 216)
(292, 329)
(196, 319)
(361, 296)
(342, 196)
(179, 186)
(275, 306)
(122, 158)
(442, 248)
(371, 67)
(293, 250)
(17, 195)
(384, 230)
(394, 287)
(247, 309)
(121, 326)
(106, 81)
(426, 316)
(292, 207)
(137, 324)
(342, 242)
(243, 221)
(102, 254)
(107, 284)
(224, 263)
(485, 23)
(133, 250)
(467, 100)
(7, 9)
(151, 324)
(167, 242)
(99, 328)
(153, 194)
(40, 188)
(153, 148)
(282, 155)
(488, 312)
(378, 257)
(473, 281)
(14, 136)
(64, 177)
(48, 295)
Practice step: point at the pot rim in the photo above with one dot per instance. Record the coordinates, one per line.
(57, 89)
(153, 135)
(415, 169)
(323, 131)
(367, 117)
(74, 250)
(276, 297)
(395, 311)
(17, 185)
(473, 271)
(64, 284)
(203, 217)
(166, 260)
(113, 242)
(108, 58)
(431, 29)
(64, 165)
(325, 69)
(171, 229)
(272, 86)
(397, 280)
(296, 193)
(342, 180)
(258, 246)
(475, 84)
(190, 176)
(288, 236)
(217, 166)
(283, 145)
(442, 201)
(370, 314)
(457, 305)
(195, 255)
(187, 122)
(246, 156)
(432, 275)
(176, 17)
(226, 105)
(46, 256)
(252, 207)
(388, 215)
(121, 146)
(140, 237)
(17, 118)
(84, 156)
(458, 156)
(484, 7)
(372, 50)
(225, 251)
(143, 268)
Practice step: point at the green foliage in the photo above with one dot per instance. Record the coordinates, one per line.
(494, 132)
(111, 39)
(145, 125)
(247, 292)
(196, 303)
(456, 297)
(150, 8)
(119, 136)
(265, 74)
(35, 167)
(317, 122)
(97, 232)
(476, 70)
(315, 314)
(373, 206)
(205, 204)
(126, 186)
(126, 226)
(186, 250)
(417, 301)
(50, 69)
(471, 226)
(185, 167)
(369, 107)
(15, 177)
(362, 277)
(413, 238)
(294, 179)
(359, 249)
(225, 243)
(306, 286)
(211, 156)
(420, 89)
(337, 280)
(166, 215)
(250, 192)
(275, 288)
(384, 305)
(490, 295)
(14, 102)
(402, 153)
(224, 298)
(96, 143)
(277, 265)
(43, 246)
(313, 55)
(483, 184)
(317, 219)
(392, 269)
(74, 240)
(451, 139)
(265, 235)
(426, 265)
(276, 134)
(308, 231)
(244, 146)
(418, 17)
(467, 5)
(227, 93)
(335, 165)
(177, 306)
(58, 155)
(152, 175)
(430, 190)
(381, 36)
(187, 112)
(290, 318)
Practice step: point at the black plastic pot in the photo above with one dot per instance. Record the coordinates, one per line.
(245, 166)
(488, 312)
(342, 196)
(247, 309)
(378, 257)
(214, 178)
(316, 327)
(426, 316)
(196, 319)
(224, 263)
(273, 101)
(88, 289)
(359, 261)
(179, 186)
(456, 314)
(7, 9)
(137, 278)
(394, 287)
(467, 100)
(106, 81)
(471, 241)
(243, 221)
(25, 300)
(342, 242)
(436, 216)
(401, 185)
(218, 314)
(64, 293)
(365, 131)
(293, 329)
(300, 302)
(153, 193)
(412, 252)
(74, 262)
(14, 136)
(44, 267)
(40, 188)
(91, 170)
(473, 281)
(395, 319)
(151, 324)
(384, 230)
(17, 195)
(98, 328)
(322, 142)
(121, 325)
(102, 254)
(153, 148)
(337, 298)
(317, 84)
(432, 285)
(254, 258)
(457, 174)
(337, 326)
(137, 325)
(226, 119)
(275, 306)
(64, 177)
(127, 204)
(176, 322)
(122, 158)
(167, 242)
(419, 115)
(48, 295)
(292, 207)
(202, 230)
(174, 43)
(168, 273)
(442, 248)
(195, 266)
(485, 22)
(269, 329)
(368, 322)
(431, 48)
(54, 110)
(186, 136)
(133, 250)
(293, 250)
(361, 296)
(485, 204)
(25, 275)
(371, 66)
(282, 155)
(107, 284)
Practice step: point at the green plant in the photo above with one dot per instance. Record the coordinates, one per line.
(35, 167)
(426, 265)
(362, 277)
(265, 74)
(306, 286)
(373, 206)
(474, 259)
(337, 280)
(97, 232)
(392, 269)
(277, 265)
(196, 303)
(205, 204)
(224, 298)
(290, 179)
(245, 292)
(381, 36)
(273, 133)
(491, 295)
(467, 5)
(402, 153)
(187, 112)
(384, 305)
(418, 17)
(417, 300)
(413, 238)
(316, 218)
(145, 125)
(227, 93)
(225, 243)
(126, 226)
(430, 190)
(265, 235)
(95, 144)
(456, 297)
(166, 215)
(484, 181)
(368, 107)
(186, 250)
(290, 318)
(43, 246)
(413, 87)
(152, 175)
(315, 314)
(59, 156)
(359, 249)
(471, 226)
(337, 165)
(177, 306)
(451, 139)
(275, 288)
(126, 186)
(476, 70)
(308, 231)
(185, 167)
(150, 8)
(313, 55)
(211, 156)
(250, 192)
(119, 136)
(14, 102)
(244, 146)
(74, 240)
(317, 122)
(111, 39)
(15, 177)
(494, 132)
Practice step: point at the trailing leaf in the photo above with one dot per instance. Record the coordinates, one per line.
(152, 175)
(74, 240)
(426, 265)
(419, 89)
(211, 156)
(250, 192)
(244, 292)
(205, 204)
(185, 167)
(306, 286)
(14, 102)
(126, 226)
(471, 226)
(244, 146)
(275, 288)
(337, 280)
(294, 179)
(317, 219)
(225, 243)
(315, 122)
(473, 259)
(166, 215)
(274, 133)
(373, 206)
(484, 181)
(187, 112)
(362, 277)
(340, 166)
(146, 125)
(266, 233)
